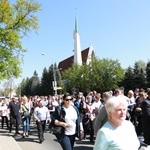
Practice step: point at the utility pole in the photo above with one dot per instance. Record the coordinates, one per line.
(55, 81)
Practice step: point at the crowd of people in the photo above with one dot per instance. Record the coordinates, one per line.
(96, 111)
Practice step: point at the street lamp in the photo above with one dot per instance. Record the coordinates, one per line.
(55, 81)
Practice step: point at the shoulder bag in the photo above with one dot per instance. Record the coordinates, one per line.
(55, 129)
(26, 113)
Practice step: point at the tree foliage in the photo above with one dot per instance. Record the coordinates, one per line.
(139, 74)
(136, 76)
(148, 73)
(128, 81)
(100, 75)
(46, 81)
(29, 86)
(34, 84)
(44, 86)
(16, 20)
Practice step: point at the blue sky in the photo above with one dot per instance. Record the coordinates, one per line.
(117, 29)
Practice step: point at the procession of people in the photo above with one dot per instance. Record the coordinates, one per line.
(91, 108)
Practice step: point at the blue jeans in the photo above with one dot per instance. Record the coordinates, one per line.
(25, 124)
(66, 141)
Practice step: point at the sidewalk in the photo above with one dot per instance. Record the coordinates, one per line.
(7, 142)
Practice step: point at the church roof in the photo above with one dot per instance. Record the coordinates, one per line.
(67, 63)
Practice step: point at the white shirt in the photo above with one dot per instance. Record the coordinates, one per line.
(41, 113)
(55, 103)
(4, 110)
(96, 104)
(70, 118)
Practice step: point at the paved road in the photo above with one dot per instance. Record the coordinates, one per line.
(50, 142)
(32, 142)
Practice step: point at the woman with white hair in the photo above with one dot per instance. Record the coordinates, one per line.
(117, 133)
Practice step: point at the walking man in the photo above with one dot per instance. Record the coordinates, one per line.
(41, 114)
(15, 116)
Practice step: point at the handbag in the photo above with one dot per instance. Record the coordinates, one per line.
(26, 113)
(53, 128)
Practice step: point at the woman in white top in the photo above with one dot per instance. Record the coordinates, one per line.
(117, 133)
(4, 113)
(67, 117)
(25, 107)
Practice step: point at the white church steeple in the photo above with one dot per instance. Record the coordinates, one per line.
(77, 45)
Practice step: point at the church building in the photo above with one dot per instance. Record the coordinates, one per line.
(80, 56)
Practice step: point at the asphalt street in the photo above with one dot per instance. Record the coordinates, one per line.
(50, 143)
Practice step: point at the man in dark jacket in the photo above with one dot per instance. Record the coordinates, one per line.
(146, 119)
(15, 116)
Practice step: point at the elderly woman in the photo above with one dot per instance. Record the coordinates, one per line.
(117, 133)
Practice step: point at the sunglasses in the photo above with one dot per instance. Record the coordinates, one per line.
(68, 99)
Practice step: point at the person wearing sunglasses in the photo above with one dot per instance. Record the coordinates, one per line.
(68, 119)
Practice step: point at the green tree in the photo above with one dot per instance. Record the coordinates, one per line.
(128, 81)
(148, 74)
(73, 77)
(34, 81)
(35, 86)
(46, 82)
(16, 21)
(139, 75)
(100, 75)
(29, 86)
(24, 87)
(107, 74)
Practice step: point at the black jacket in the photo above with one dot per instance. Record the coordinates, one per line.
(60, 113)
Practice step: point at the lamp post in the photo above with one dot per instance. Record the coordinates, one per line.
(55, 81)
